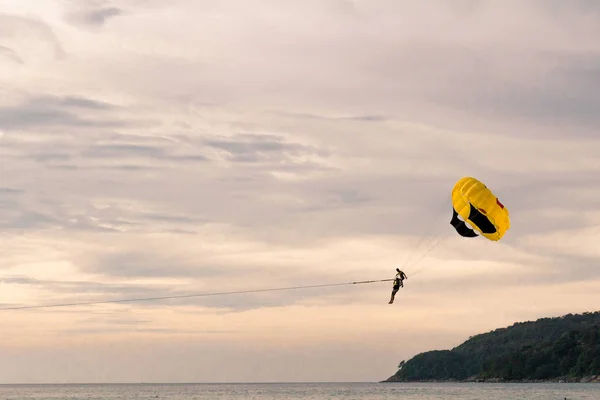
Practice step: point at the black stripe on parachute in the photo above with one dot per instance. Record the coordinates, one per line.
(478, 219)
(461, 228)
(481, 220)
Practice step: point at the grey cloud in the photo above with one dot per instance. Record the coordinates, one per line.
(432, 77)
(509, 88)
(181, 231)
(185, 219)
(534, 222)
(256, 148)
(50, 157)
(120, 150)
(568, 268)
(76, 153)
(25, 219)
(351, 196)
(123, 167)
(9, 191)
(92, 13)
(10, 54)
(566, 93)
(111, 167)
(64, 167)
(112, 330)
(47, 111)
(19, 280)
(559, 8)
(267, 153)
(25, 117)
(82, 291)
(19, 216)
(190, 157)
(52, 215)
(149, 264)
(373, 118)
(546, 90)
(71, 286)
(100, 16)
(364, 118)
(21, 27)
(12, 220)
(571, 191)
(39, 208)
(70, 102)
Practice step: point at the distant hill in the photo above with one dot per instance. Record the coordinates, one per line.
(565, 348)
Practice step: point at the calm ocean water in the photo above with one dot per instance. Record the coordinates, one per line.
(306, 391)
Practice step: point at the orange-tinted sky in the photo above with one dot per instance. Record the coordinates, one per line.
(153, 148)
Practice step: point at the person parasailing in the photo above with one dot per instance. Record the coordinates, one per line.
(398, 283)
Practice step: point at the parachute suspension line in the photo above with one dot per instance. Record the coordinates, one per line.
(443, 208)
(431, 248)
(427, 236)
(186, 296)
(410, 254)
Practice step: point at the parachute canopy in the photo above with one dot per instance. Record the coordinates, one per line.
(476, 208)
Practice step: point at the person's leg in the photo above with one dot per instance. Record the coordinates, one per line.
(393, 295)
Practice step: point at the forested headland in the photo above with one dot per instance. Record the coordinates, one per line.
(564, 348)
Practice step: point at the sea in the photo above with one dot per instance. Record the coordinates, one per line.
(305, 391)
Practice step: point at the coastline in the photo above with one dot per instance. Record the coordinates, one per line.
(562, 379)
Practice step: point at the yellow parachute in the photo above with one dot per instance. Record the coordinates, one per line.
(478, 207)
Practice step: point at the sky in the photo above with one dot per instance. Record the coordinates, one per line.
(153, 148)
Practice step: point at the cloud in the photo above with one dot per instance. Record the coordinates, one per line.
(100, 16)
(49, 111)
(150, 264)
(25, 117)
(124, 151)
(27, 220)
(227, 148)
(207, 284)
(28, 39)
(71, 101)
(116, 331)
(558, 92)
(69, 291)
(10, 54)
(407, 72)
(252, 148)
(94, 13)
(9, 191)
(270, 153)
